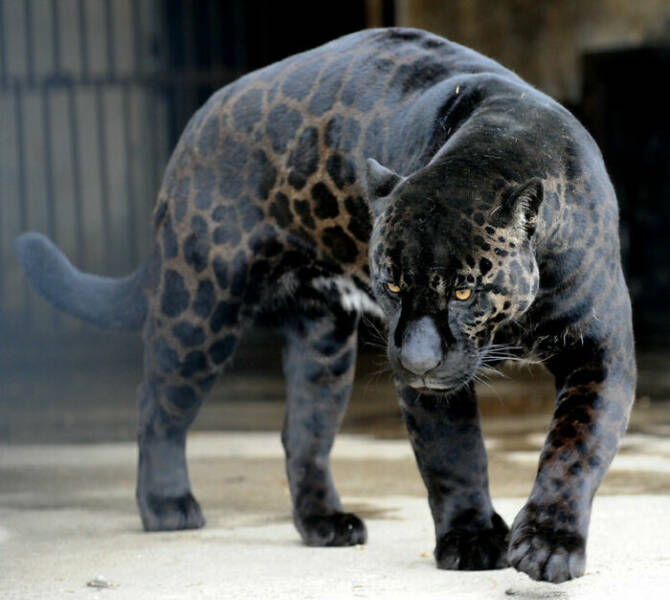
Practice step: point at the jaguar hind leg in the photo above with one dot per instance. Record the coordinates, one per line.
(175, 384)
(190, 335)
(163, 491)
(319, 360)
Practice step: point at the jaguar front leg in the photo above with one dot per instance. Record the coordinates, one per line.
(319, 360)
(449, 449)
(595, 389)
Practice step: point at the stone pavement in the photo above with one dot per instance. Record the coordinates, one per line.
(68, 515)
(68, 523)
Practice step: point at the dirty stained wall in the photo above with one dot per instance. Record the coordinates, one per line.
(542, 40)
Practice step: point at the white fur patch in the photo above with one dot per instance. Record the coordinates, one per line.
(351, 298)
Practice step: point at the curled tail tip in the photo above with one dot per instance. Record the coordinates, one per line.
(32, 249)
(29, 239)
(44, 265)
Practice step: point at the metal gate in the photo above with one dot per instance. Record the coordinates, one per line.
(93, 95)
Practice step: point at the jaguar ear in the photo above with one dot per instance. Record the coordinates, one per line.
(379, 183)
(520, 205)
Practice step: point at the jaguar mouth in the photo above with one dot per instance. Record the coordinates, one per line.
(428, 384)
(432, 385)
(436, 386)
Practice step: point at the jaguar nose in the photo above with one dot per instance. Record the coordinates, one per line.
(421, 349)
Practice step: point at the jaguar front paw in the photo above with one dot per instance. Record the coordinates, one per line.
(544, 551)
(161, 513)
(337, 529)
(473, 550)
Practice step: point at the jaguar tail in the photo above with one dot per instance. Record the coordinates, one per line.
(104, 301)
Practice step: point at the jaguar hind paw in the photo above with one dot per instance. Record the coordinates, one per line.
(337, 529)
(170, 514)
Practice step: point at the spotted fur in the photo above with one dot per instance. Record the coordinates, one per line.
(302, 191)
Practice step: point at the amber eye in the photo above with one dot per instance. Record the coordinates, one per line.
(463, 294)
(392, 287)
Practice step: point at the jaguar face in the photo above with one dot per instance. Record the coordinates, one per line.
(448, 267)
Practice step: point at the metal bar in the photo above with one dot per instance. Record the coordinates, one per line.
(136, 17)
(48, 164)
(215, 46)
(21, 157)
(188, 34)
(136, 27)
(3, 79)
(182, 93)
(130, 177)
(173, 97)
(76, 175)
(83, 38)
(180, 112)
(2, 267)
(109, 38)
(150, 103)
(2, 203)
(30, 55)
(241, 43)
(26, 304)
(3, 47)
(55, 34)
(104, 176)
(49, 181)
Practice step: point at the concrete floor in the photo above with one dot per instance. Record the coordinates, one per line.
(68, 517)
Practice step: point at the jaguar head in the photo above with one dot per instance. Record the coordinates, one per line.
(450, 264)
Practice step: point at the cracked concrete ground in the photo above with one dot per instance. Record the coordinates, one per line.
(67, 511)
